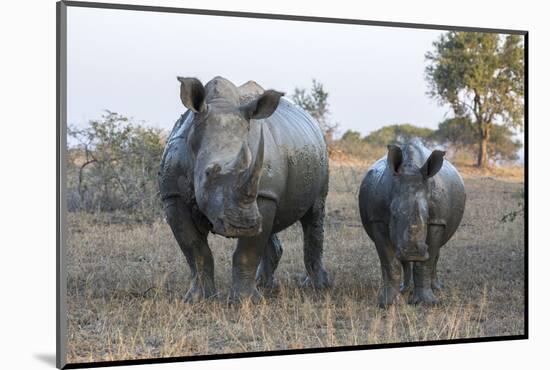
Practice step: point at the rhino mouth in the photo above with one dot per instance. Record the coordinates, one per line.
(231, 229)
(416, 253)
(413, 257)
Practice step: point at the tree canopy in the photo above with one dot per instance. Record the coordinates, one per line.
(351, 135)
(397, 134)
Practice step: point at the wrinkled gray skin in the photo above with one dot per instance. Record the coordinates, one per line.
(243, 163)
(411, 203)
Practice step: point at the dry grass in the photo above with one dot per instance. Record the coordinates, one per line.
(514, 173)
(125, 284)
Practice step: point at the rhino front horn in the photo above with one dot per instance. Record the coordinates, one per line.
(251, 177)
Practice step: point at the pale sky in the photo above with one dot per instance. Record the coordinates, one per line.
(127, 62)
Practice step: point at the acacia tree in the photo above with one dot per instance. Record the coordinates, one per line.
(481, 75)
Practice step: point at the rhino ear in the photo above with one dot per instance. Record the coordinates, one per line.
(263, 106)
(192, 94)
(395, 158)
(433, 164)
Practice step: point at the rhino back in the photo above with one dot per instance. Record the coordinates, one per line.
(295, 169)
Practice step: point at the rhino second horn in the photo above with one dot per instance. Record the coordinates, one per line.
(251, 178)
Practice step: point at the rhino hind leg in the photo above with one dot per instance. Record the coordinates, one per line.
(195, 248)
(313, 229)
(436, 282)
(248, 255)
(265, 274)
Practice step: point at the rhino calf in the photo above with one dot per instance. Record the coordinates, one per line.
(411, 203)
(246, 164)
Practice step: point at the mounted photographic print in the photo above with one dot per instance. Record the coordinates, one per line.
(238, 184)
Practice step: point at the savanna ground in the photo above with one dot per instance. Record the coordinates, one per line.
(126, 283)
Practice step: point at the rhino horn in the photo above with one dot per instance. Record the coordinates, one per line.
(242, 161)
(250, 180)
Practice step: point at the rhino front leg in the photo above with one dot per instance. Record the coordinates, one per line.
(313, 228)
(424, 272)
(268, 264)
(248, 254)
(423, 292)
(195, 248)
(390, 266)
(407, 285)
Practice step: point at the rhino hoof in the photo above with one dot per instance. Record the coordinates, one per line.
(423, 296)
(195, 294)
(268, 284)
(240, 296)
(387, 296)
(319, 282)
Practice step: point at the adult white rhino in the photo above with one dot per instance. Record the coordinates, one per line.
(243, 163)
